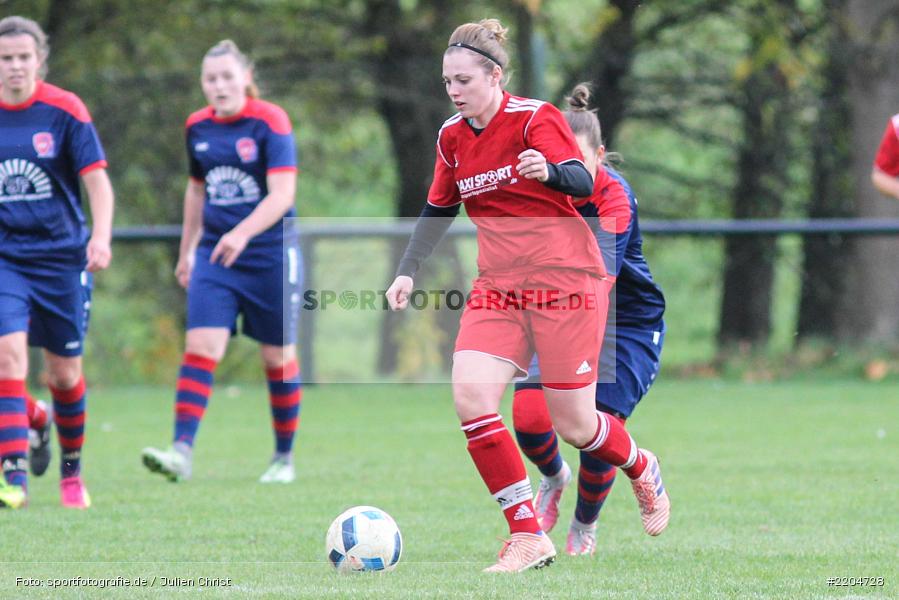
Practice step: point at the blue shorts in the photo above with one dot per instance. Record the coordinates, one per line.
(628, 365)
(265, 292)
(53, 306)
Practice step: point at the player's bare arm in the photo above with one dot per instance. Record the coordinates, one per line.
(282, 188)
(191, 229)
(885, 183)
(100, 194)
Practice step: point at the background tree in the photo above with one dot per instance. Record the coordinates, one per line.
(766, 101)
(871, 295)
(826, 259)
(721, 109)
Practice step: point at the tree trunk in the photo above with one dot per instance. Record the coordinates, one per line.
(745, 316)
(525, 84)
(871, 296)
(608, 65)
(413, 103)
(826, 259)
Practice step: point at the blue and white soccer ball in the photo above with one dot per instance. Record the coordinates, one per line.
(364, 538)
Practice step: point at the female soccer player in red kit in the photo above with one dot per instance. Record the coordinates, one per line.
(48, 149)
(236, 257)
(516, 164)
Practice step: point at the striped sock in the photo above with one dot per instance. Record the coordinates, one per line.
(69, 412)
(497, 459)
(594, 483)
(286, 396)
(194, 387)
(534, 430)
(37, 416)
(613, 444)
(13, 432)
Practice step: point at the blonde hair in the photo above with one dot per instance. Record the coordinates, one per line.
(22, 26)
(225, 47)
(487, 38)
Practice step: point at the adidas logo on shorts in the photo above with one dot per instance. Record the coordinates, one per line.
(522, 513)
(584, 368)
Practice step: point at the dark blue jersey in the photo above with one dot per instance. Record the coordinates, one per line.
(611, 213)
(46, 143)
(232, 156)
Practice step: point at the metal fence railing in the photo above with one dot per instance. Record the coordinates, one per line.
(313, 233)
(719, 227)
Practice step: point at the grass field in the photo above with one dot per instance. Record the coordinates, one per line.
(774, 489)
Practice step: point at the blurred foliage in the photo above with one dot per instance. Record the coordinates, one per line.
(136, 65)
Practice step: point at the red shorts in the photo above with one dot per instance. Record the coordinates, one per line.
(558, 313)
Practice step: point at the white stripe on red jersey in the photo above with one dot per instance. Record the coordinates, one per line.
(479, 169)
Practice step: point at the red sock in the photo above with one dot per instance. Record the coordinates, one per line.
(529, 412)
(613, 444)
(534, 431)
(37, 416)
(285, 397)
(497, 459)
(195, 380)
(69, 412)
(13, 433)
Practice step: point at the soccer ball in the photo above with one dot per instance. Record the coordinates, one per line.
(363, 538)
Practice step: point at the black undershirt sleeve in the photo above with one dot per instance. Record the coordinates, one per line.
(429, 230)
(570, 178)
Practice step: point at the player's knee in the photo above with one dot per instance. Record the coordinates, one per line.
(12, 365)
(471, 400)
(574, 432)
(274, 357)
(64, 376)
(204, 348)
(529, 412)
(13, 356)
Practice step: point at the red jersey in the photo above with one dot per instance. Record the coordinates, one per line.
(510, 212)
(888, 154)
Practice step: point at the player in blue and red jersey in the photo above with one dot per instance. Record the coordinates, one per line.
(48, 148)
(515, 164)
(236, 257)
(629, 360)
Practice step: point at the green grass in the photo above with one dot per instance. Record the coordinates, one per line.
(774, 487)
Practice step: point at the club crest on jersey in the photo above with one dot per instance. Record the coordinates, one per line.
(247, 149)
(485, 182)
(44, 144)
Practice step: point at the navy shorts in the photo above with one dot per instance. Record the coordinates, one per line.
(53, 306)
(263, 289)
(628, 365)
